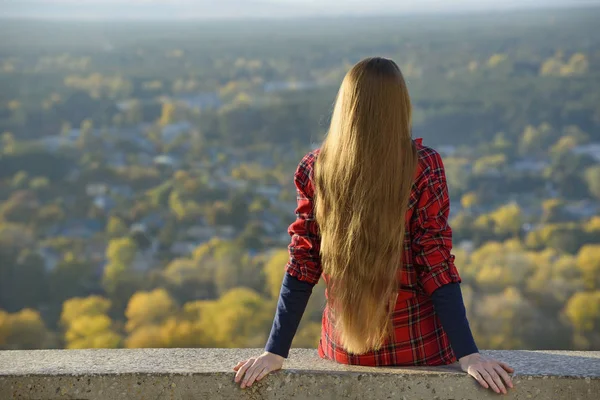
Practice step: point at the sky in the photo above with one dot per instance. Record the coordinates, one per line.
(209, 9)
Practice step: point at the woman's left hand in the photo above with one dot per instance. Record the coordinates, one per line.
(257, 368)
(488, 372)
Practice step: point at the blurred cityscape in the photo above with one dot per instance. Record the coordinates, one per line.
(146, 171)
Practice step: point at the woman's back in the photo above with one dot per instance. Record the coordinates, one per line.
(427, 264)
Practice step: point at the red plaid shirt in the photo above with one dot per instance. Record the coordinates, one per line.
(427, 265)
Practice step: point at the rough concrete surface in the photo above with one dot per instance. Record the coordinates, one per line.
(186, 374)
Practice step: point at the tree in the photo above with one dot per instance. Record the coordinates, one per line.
(588, 261)
(168, 114)
(119, 281)
(489, 164)
(535, 140)
(8, 143)
(308, 336)
(87, 324)
(149, 308)
(39, 183)
(234, 267)
(134, 113)
(470, 200)
(507, 220)
(274, 270)
(583, 311)
(592, 177)
(239, 318)
(23, 330)
(86, 132)
(116, 227)
(507, 321)
(190, 279)
(19, 181)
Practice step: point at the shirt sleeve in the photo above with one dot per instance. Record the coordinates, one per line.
(305, 260)
(293, 298)
(432, 236)
(450, 309)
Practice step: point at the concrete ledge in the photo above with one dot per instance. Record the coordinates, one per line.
(155, 374)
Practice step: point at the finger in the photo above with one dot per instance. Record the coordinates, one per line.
(251, 375)
(506, 367)
(496, 378)
(489, 380)
(249, 372)
(479, 379)
(504, 375)
(242, 370)
(238, 365)
(263, 373)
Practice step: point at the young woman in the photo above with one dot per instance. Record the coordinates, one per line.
(372, 219)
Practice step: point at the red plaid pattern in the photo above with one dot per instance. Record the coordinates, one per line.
(427, 265)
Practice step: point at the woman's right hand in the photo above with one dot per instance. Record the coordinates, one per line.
(488, 372)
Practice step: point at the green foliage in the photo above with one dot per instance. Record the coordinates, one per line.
(515, 121)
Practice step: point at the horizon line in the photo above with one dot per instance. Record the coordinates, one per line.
(349, 15)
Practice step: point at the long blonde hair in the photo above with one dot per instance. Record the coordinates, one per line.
(363, 178)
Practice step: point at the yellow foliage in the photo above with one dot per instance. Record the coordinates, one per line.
(500, 265)
(168, 114)
(116, 227)
(507, 219)
(496, 59)
(88, 332)
(308, 336)
(469, 200)
(149, 336)
(588, 261)
(274, 271)
(593, 225)
(583, 310)
(78, 306)
(488, 164)
(240, 318)
(149, 308)
(22, 330)
(4, 328)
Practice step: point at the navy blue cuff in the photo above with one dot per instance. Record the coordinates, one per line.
(293, 298)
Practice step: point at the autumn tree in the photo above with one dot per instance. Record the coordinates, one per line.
(87, 324)
(238, 319)
(583, 311)
(588, 261)
(116, 227)
(119, 280)
(23, 330)
(168, 114)
(592, 177)
(149, 308)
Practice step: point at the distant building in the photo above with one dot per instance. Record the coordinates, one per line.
(528, 165)
(591, 149)
(77, 228)
(105, 203)
(166, 161)
(172, 131)
(96, 189)
(583, 209)
(50, 257)
(201, 100)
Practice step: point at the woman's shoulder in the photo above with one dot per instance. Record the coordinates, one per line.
(307, 163)
(430, 165)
